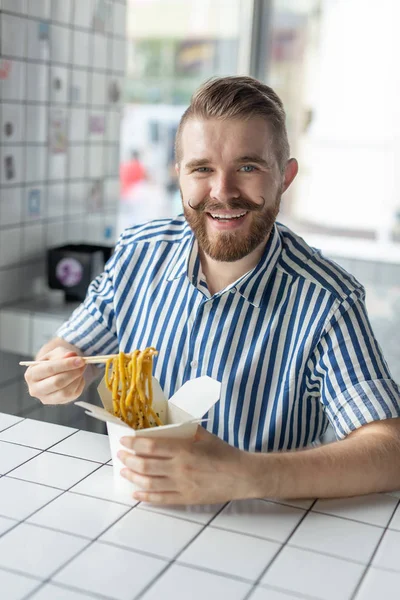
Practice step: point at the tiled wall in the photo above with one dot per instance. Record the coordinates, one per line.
(62, 65)
(61, 70)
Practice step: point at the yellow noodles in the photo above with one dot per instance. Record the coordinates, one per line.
(131, 386)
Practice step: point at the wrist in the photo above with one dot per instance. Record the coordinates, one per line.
(259, 475)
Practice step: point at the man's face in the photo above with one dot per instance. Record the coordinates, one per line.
(230, 184)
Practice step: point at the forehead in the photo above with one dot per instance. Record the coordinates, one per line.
(225, 138)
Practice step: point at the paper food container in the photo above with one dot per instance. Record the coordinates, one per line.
(181, 414)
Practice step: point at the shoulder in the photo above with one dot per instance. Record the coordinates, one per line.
(170, 231)
(298, 259)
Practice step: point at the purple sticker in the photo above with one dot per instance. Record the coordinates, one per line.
(69, 272)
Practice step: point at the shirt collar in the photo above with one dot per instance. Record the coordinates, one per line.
(250, 286)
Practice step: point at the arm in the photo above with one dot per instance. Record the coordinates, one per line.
(208, 470)
(367, 461)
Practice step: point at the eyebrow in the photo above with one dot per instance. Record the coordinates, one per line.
(254, 158)
(249, 158)
(197, 162)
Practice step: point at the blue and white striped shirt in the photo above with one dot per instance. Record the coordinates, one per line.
(290, 341)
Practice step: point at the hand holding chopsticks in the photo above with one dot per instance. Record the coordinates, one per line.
(89, 360)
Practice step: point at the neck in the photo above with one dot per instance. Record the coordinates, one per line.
(221, 274)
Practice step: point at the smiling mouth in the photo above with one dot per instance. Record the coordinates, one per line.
(226, 217)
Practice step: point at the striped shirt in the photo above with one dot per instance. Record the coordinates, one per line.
(290, 341)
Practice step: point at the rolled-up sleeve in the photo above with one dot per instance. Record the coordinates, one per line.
(349, 372)
(92, 326)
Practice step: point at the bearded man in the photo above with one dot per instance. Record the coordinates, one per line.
(225, 291)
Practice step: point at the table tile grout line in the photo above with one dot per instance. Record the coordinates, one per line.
(173, 561)
(369, 564)
(275, 588)
(263, 572)
(91, 541)
(97, 462)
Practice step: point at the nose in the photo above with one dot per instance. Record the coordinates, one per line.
(224, 187)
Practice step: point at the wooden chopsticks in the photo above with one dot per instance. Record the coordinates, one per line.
(89, 360)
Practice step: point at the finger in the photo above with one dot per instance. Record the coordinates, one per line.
(58, 382)
(145, 465)
(50, 368)
(62, 396)
(167, 498)
(166, 448)
(149, 484)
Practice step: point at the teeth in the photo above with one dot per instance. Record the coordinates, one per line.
(228, 217)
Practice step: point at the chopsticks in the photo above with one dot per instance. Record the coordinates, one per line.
(89, 360)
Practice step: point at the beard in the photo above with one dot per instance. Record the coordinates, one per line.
(230, 246)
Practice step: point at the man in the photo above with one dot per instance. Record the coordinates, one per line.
(225, 291)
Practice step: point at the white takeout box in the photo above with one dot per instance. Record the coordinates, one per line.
(181, 414)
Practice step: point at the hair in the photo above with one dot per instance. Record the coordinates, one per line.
(238, 97)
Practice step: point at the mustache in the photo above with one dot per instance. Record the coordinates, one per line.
(245, 204)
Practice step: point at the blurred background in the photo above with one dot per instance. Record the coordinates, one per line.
(91, 93)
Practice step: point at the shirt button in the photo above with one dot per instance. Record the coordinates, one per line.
(194, 364)
(233, 290)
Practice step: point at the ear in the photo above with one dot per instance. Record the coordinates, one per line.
(177, 168)
(291, 171)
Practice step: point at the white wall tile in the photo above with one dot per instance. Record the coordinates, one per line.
(11, 123)
(12, 284)
(83, 13)
(61, 10)
(119, 21)
(40, 10)
(36, 124)
(15, 6)
(111, 193)
(81, 41)
(77, 124)
(76, 204)
(10, 205)
(98, 96)
(59, 84)
(13, 36)
(96, 168)
(119, 55)
(100, 43)
(76, 231)
(56, 200)
(37, 82)
(13, 87)
(77, 162)
(60, 44)
(55, 235)
(38, 48)
(112, 161)
(14, 331)
(10, 246)
(33, 241)
(35, 164)
(113, 128)
(57, 166)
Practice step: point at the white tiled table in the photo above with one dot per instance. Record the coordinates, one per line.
(66, 534)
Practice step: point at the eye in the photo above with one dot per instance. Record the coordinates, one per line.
(248, 168)
(202, 170)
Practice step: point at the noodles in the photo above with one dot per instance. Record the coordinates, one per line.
(131, 386)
